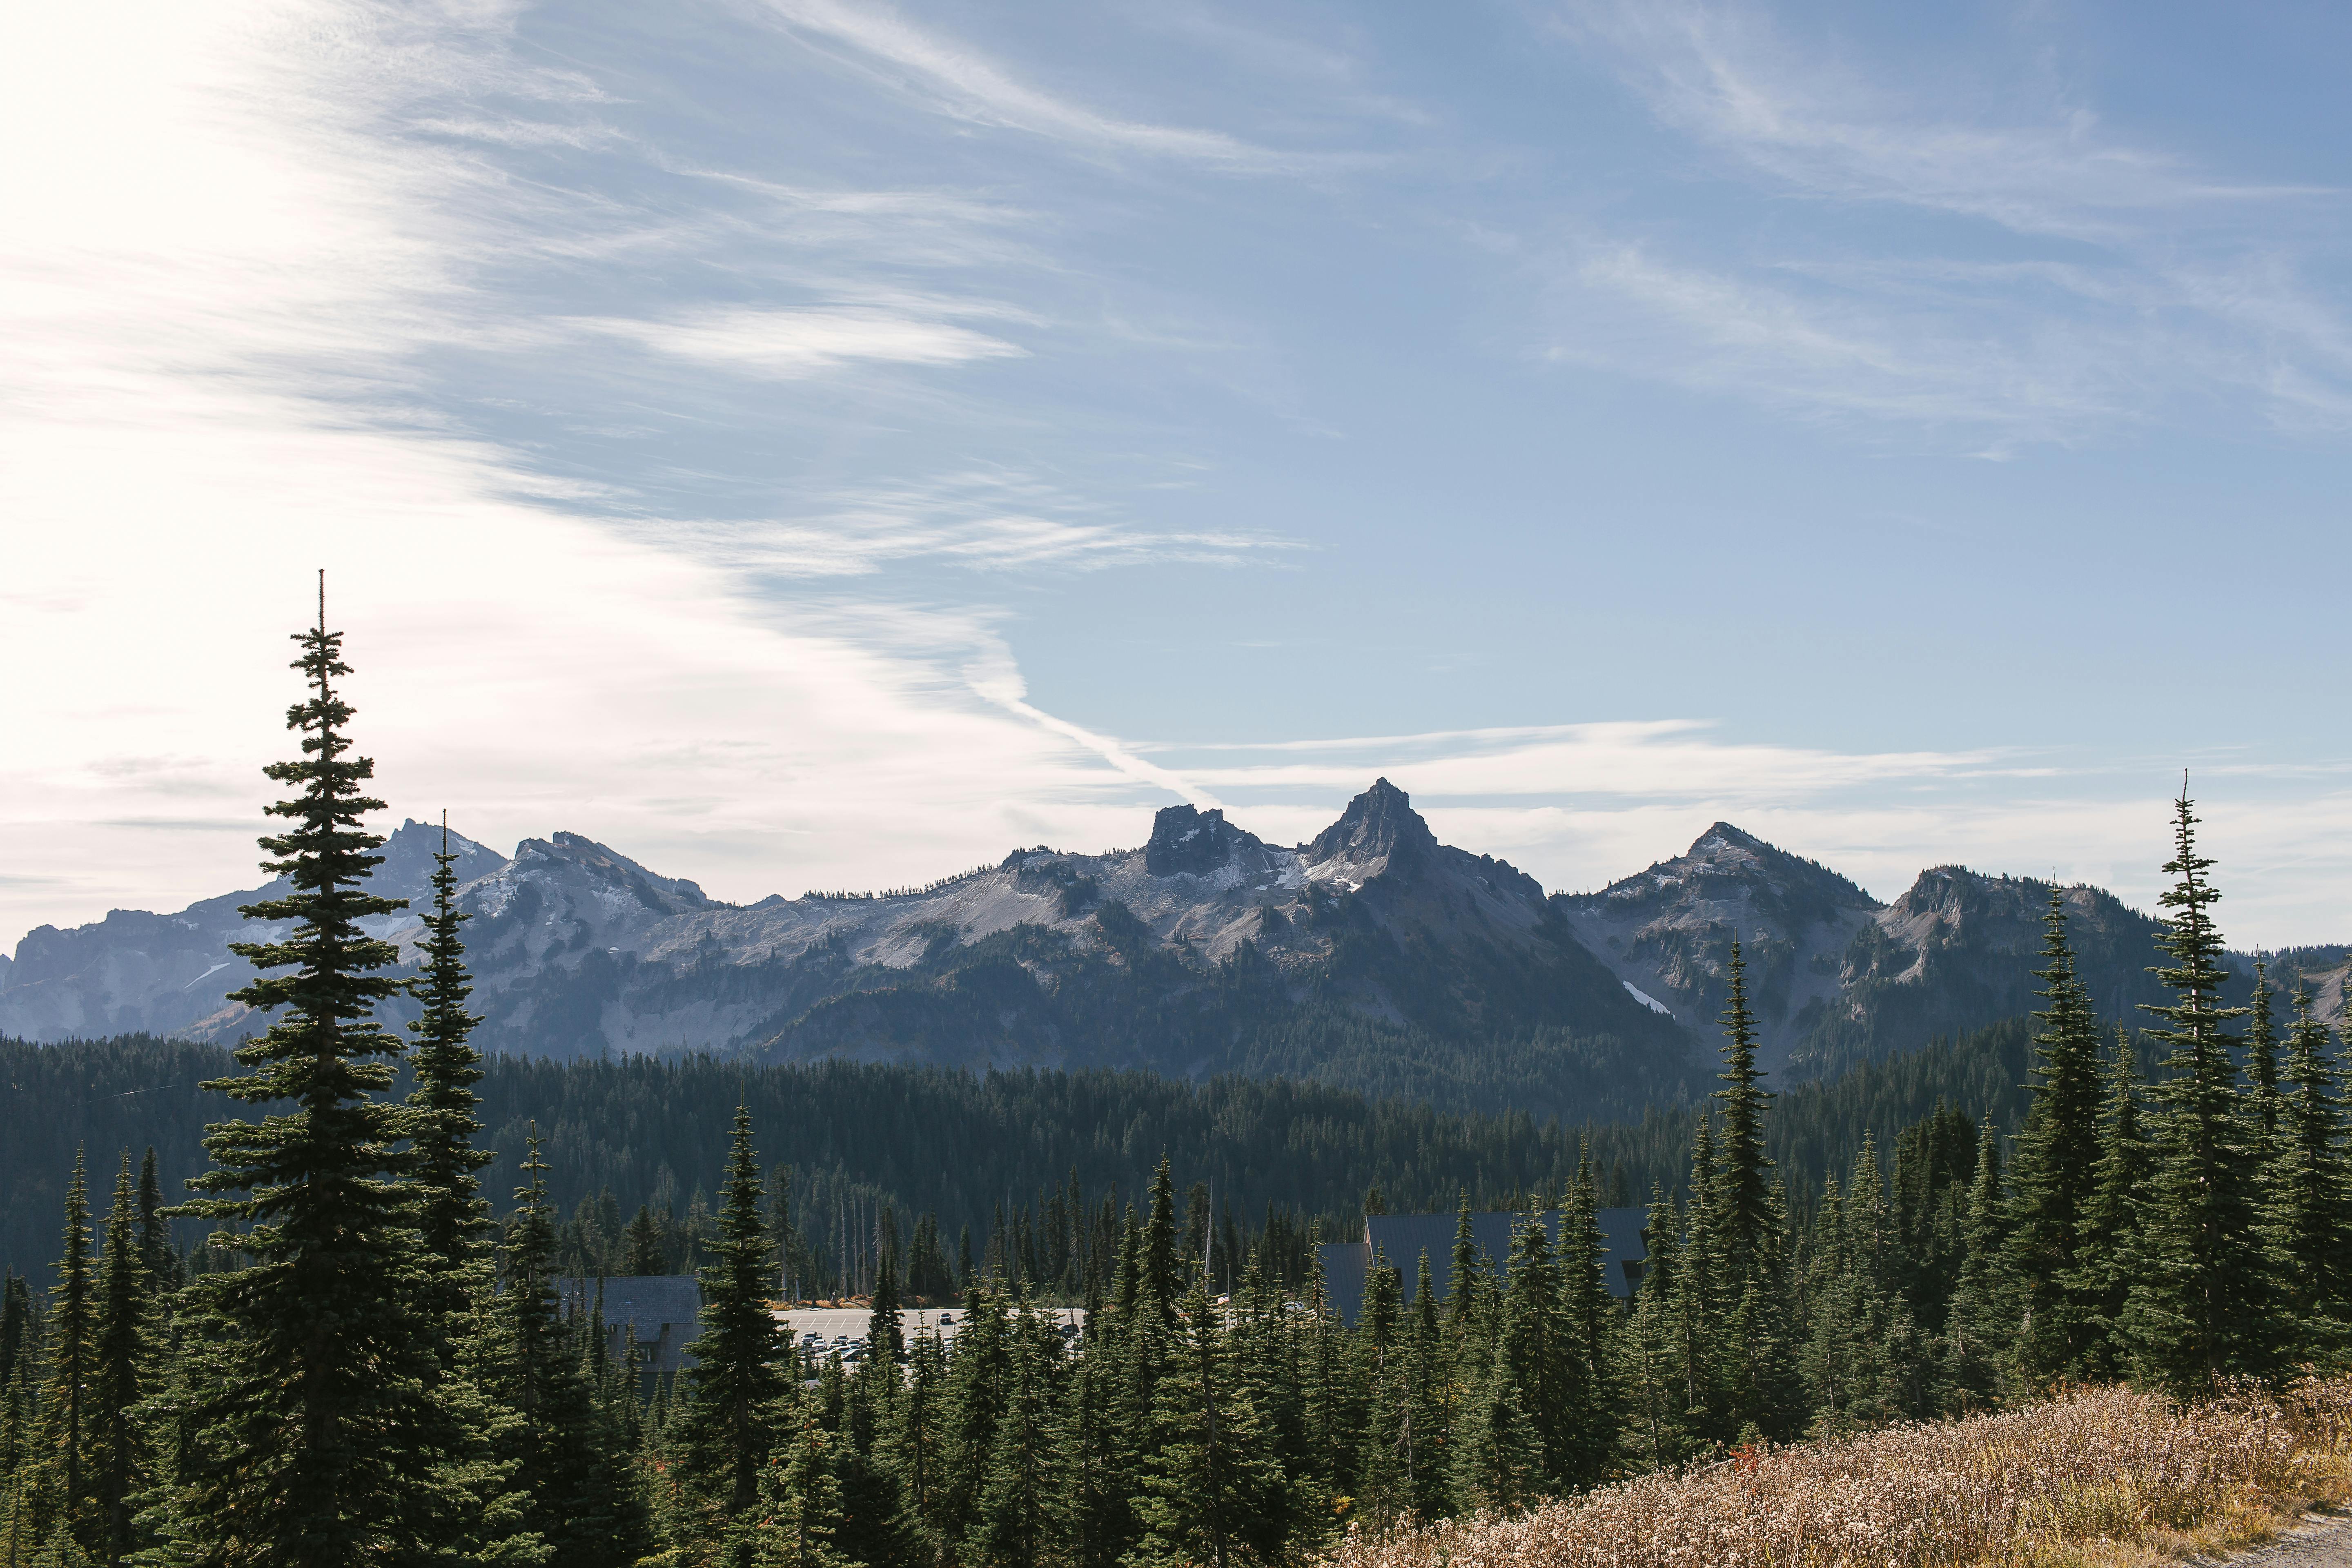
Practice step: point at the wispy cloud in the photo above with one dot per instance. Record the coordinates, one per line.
(794, 343)
(987, 519)
(2139, 287)
(225, 289)
(965, 83)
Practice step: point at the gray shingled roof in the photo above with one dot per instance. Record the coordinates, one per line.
(664, 1309)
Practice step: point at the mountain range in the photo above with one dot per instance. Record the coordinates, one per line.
(1372, 956)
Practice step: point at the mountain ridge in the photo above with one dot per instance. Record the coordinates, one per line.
(1369, 953)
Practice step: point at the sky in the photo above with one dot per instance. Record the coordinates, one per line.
(828, 444)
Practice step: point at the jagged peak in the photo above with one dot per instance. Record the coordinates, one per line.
(1725, 833)
(1377, 825)
(1188, 840)
(600, 859)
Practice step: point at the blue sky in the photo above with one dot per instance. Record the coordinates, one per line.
(819, 443)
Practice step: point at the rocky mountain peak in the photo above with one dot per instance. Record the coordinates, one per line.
(1380, 831)
(1185, 839)
(570, 858)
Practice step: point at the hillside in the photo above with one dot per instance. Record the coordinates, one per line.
(1371, 957)
(1836, 977)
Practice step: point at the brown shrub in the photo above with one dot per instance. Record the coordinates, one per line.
(2101, 1465)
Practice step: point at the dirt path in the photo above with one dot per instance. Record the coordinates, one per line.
(2322, 1542)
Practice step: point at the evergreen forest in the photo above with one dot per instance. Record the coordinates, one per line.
(340, 1339)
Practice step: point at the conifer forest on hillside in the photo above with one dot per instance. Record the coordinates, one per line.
(312, 1317)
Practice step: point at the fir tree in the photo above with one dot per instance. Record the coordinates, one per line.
(1532, 1345)
(122, 1370)
(2053, 1174)
(739, 1371)
(16, 1318)
(451, 1218)
(1383, 1468)
(156, 1253)
(1462, 1285)
(2106, 1243)
(2308, 1191)
(1497, 1452)
(643, 1255)
(1213, 1494)
(978, 1379)
(1160, 1266)
(914, 1445)
(799, 1505)
(572, 1468)
(2262, 1108)
(1979, 1329)
(1016, 1520)
(1589, 1319)
(2195, 1311)
(315, 1438)
(1748, 1227)
(65, 1500)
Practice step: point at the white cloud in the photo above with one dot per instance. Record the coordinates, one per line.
(794, 343)
(217, 278)
(968, 83)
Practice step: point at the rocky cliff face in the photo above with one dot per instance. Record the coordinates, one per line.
(1836, 977)
(1208, 950)
(1666, 935)
(1372, 955)
(170, 974)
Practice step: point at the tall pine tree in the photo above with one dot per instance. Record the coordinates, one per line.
(2054, 1171)
(739, 1369)
(2195, 1313)
(2308, 1192)
(316, 1437)
(451, 1216)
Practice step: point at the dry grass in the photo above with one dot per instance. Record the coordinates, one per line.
(2102, 1479)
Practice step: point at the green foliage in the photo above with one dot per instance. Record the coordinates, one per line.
(2194, 1311)
(739, 1371)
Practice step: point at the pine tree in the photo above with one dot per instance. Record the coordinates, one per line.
(1213, 1493)
(1462, 1287)
(2106, 1243)
(2195, 1313)
(914, 1445)
(1497, 1452)
(978, 1386)
(570, 1467)
(16, 1318)
(739, 1371)
(2054, 1176)
(1160, 1266)
(156, 1253)
(1695, 1310)
(1748, 1230)
(2263, 1105)
(1428, 1425)
(800, 1510)
(1381, 1470)
(1532, 1345)
(121, 1373)
(65, 1500)
(1979, 1330)
(1589, 1321)
(643, 1255)
(452, 1219)
(2308, 1194)
(1015, 1526)
(315, 1437)
(1653, 1402)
